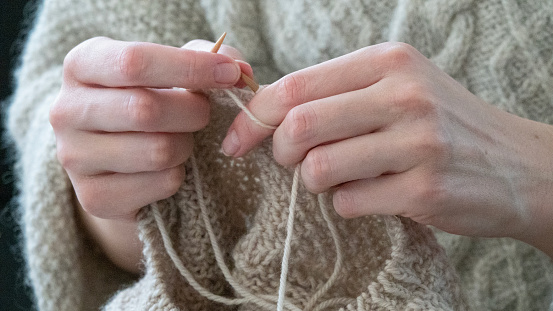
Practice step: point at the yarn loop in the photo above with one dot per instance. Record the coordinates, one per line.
(263, 301)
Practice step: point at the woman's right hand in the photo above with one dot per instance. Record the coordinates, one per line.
(123, 123)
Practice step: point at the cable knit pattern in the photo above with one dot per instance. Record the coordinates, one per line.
(501, 50)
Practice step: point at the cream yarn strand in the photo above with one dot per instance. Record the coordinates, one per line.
(217, 250)
(288, 241)
(290, 228)
(247, 111)
(264, 301)
(180, 266)
(339, 258)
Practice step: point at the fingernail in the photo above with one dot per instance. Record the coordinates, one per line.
(231, 144)
(227, 73)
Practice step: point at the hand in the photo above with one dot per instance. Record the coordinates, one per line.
(390, 133)
(123, 130)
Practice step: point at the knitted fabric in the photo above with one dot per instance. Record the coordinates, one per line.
(388, 262)
(499, 49)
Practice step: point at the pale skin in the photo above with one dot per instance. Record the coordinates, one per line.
(382, 128)
(123, 132)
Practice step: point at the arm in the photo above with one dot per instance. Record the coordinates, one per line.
(420, 145)
(66, 273)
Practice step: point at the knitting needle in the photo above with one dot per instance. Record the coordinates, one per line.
(218, 44)
(249, 81)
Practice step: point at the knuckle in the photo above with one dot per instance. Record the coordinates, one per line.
(161, 152)
(410, 93)
(191, 72)
(414, 99)
(71, 62)
(58, 115)
(131, 62)
(174, 179)
(248, 129)
(291, 90)
(434, 146)
(88, 195)
(345, 203)
(413, 91)
(430, 193)
(398, 54)
(300, 124)
(317, 170)
(66, 157)
(76, 59)
(143, 111)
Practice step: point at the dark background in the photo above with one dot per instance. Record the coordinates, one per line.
(15, 17)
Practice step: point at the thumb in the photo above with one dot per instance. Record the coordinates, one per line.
(206, 46)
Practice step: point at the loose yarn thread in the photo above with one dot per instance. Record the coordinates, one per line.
(247, 111)
(263, 301)
(288, 241)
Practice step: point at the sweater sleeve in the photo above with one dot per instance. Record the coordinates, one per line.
(65, 270)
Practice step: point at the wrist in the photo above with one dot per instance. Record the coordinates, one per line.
(118, 239)
(538, 229)
(536, 186)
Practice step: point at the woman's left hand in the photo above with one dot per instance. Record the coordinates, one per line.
(388, 132)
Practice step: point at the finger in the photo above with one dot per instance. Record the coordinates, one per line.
(110, 63)
(89, 153)
(348, 73)
(331, 119)
(121, 195)
(367, 157)
(207, 46)
(246, 69)
(134, 109)
(395, 194)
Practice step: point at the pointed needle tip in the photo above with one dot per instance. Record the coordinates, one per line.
(218, 44)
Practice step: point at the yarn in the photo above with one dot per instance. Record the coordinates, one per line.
(288, 241)
(276, 38)
(248, 112)
(263, 301)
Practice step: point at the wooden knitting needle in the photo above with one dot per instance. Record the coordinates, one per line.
(249, 81)
(218, 44)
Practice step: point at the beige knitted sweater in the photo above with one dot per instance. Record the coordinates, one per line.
(501, 50)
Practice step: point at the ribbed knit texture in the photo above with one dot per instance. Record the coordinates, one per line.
(501, 50)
